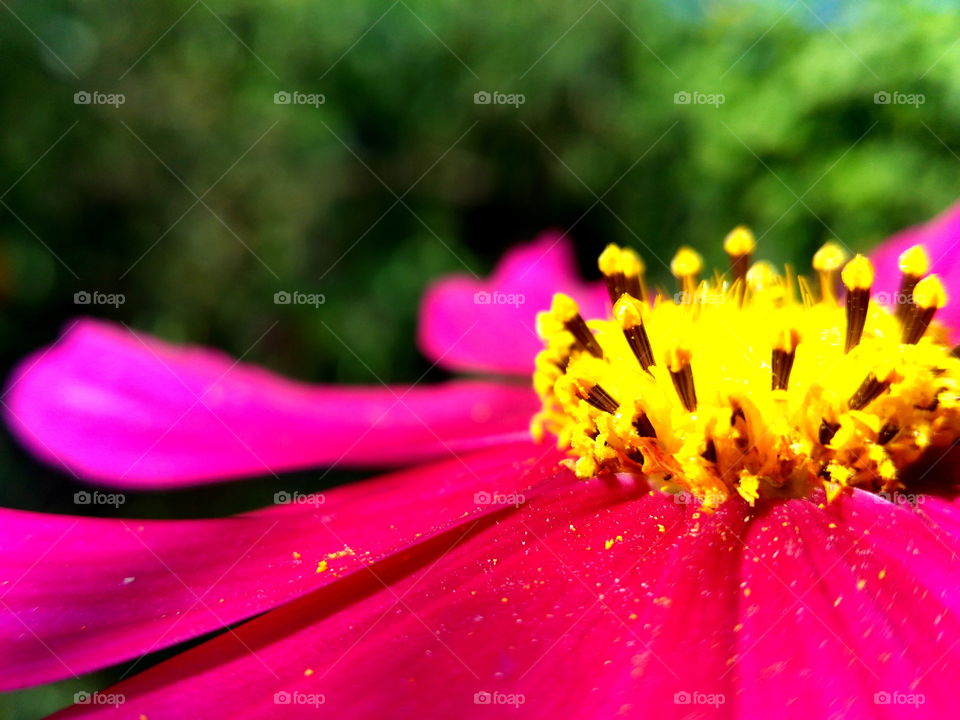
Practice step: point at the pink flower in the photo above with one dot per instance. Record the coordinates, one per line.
(486, 580)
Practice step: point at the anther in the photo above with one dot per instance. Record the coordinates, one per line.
(857, 276)
(633, 269)
(826, 261)
(928, 297)
(565, 311)
(678, 363)
(914, 264)
(887, 433)
(610, 267)
(686, 266)
(784, 353)
(739, 245)
(597, 396)
(629, 315)
(870, 389)
(644, 427)
(827, 431)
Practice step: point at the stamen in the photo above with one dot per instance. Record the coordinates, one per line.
(914, 264)
(827, 431)
(784, 353)
(928, 297)
(739, 245)
(887, 433)
(633, 269)
(628, 314)
(610, 267)
(870, 389)
(686, 266)
(597, 396)
(816, 423)
(644, 427)
(858, 278)
(564, 309)
(826, 261)
(678, 363)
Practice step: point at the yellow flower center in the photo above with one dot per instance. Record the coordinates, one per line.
(751, 383)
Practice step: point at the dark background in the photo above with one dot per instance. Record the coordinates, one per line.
(399, 177)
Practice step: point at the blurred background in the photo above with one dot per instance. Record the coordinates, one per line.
(199, 157)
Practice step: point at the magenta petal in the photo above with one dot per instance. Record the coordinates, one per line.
(594, 602)
(133, 411)
(941, 237)
(77, 593)
(490, 325)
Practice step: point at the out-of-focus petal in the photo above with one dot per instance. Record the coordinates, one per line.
(133, 411)
(489, 325)
(941, 238)
(77, 594)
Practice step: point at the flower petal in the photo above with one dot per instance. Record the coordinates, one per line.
(490, 325)
(600, 601)
(133, 411)
(80, 593)
(941, 237)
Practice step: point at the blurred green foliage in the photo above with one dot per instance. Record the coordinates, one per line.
(199, 197)
(399, 177)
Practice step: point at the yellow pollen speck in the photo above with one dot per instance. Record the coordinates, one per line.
(663, 601)
(296, 555)
(750, 391)
(308, 672)
(837, 602)
(661, 528)
(322, 566)
(341, 553)
(504, 599)
(739, 241)
(861, 584)
(746, 592)
(610, 543)
(914, 261)
(882, 574)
